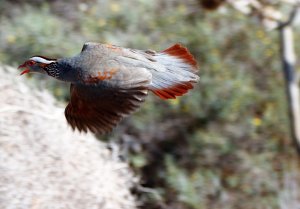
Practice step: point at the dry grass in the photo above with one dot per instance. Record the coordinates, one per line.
(44, 164)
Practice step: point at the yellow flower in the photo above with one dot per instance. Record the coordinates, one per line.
(174, 102)
(260, 34)
(269, 52)
(267, 41)
(256, 121)
(182, 9)
(115, 7)
(11, 39)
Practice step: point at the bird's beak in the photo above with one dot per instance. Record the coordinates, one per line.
(24, 71)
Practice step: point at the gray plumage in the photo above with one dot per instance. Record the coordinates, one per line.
(109, 82)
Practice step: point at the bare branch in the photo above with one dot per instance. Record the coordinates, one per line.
(292, 16)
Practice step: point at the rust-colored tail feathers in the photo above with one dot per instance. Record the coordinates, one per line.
(179, 74)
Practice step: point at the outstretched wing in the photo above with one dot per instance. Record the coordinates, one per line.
(99, 106)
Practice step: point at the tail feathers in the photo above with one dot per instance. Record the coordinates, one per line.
(178, 75)
(173, 91)
(181, 52)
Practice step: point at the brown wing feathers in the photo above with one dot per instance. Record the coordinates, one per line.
(100, 109)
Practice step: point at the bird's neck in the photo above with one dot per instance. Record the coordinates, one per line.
(62, 70)
(52, 69)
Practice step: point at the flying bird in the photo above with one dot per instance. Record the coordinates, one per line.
(109, 82)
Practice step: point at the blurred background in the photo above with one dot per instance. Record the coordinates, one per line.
(227, 144)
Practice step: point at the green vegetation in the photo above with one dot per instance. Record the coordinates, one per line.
(224, 145)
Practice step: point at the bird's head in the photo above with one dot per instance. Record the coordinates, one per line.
(38, 64)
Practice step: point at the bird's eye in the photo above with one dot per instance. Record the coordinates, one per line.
(30, 62)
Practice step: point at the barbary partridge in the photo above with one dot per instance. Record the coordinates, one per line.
(109, 82)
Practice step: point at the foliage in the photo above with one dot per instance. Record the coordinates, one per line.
(224, 145)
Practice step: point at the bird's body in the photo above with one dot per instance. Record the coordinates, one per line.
(109, 82)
